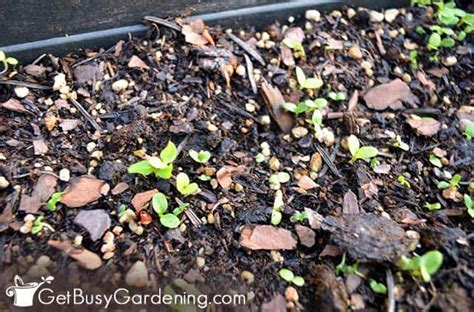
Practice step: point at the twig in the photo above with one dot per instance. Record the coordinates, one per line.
(391, 294)
(240, 112)
(160, 21)
(24, 84)
(252, 52)
(328, 160)
(87, 60)
(86, 115)
(253, 83)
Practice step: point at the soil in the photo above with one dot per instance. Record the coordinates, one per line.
(196, 91)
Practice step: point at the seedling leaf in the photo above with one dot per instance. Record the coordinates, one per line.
(287, 275)
(169, 153)
(366, 152)
(298, 281)
(377, 287)
(159, 203)
(169, 220)
(142, 167)
(53, 201)
(201, 157)
(166, 172)
(354, 145)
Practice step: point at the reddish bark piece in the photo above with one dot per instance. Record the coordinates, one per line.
(82, 191)
(14, 106)
(88, 72)
(350, 204)
(314, 219)
(277, 304)
(136, 62)
(96, 222)
(267, 237)
(306, 235)
(141, 199)
(191, 37)
(86, 259)
(306, 183)
(425, 127)
(390, 95)
(120, 188)
(44, 188)
(197, 26)
(274, 101)
(6, 215)
(69, 124)
(330, 292)
(225, 174)
(40, 147)
(35, 70)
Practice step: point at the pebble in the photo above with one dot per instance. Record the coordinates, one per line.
(3, 183)
(21, 92)
(316, 162)
(250, 107)
(120, 85)
(291, 294)
(274, 164)
(329, 138)
(391, 14)
(137, 276)
(64, 175)
(366, 65)
(200, 262)
(247, 276)
(406, 77)
(313, 15)
(265, 120)
(336, 14)
(269, 45)
(240, 70)
(211, 127)
(351, 12)
(393, 33)
(90, 146)
(450, 61)
(299, 132)
(355, 53)
(265, 36)
(376, 17)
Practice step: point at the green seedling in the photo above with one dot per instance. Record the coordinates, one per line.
(160, 166)
(413, 57)
(357, 152)
(290, 277)
(38, 225)
(343, 268)
(469, 203)
(53, 201)
(453, 183)
(421, 2)
(433, 206)
(469, 131)
(435, 161)
(184, 186)
(159, 203)
(277, 179)
(278, 205)
(448, 14)
(6, 61)
(201, 157)
(305, 106)
(400, 144)
(401, 179)
(307, 83)
(264, 152)
(378, 288)
(296, 47)
(424, 266)
(337, 96)
(374, 162)
(299, 216)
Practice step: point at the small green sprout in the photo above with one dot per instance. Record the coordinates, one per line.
(424, 266)
(453, 183)
(6, 61)
(161, 166)
(275, 180)
(433, 206)
(400, 144)
(343, 268)
(299, 216)
(298, 49)
(201, 157)
(53, 201)
(378, 288)
(264, 153)
(278, 205)
(469, 203)
(421, 2)
(469, 130)
(307, 83)
(337, 96)
(305, 106)
(448, 14)
(159, 203)
(413, 57)
(435, 161)
(357, 152)
(184, 186)
(290, 277)
(401, 179)
(374, 162)
(38, 225)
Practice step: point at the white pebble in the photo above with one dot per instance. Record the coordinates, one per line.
(313, 15)
(21, 92)
(120, 85)
(64, 175)
(3, 183)
(90, 146)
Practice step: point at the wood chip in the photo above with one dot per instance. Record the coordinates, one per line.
(390, 95)
(44, 188)
(224, 175)
(350, 204)
(267, 237)
(96, 222)
(14, 106)
(69, 124)
(192, 37)
(136, 62)
(306, 235)
(274, 101)
(82, 191)
(140, 200)
(425, 127)
(40, 147)
(306, 183)
(86, 259)
(120, 188)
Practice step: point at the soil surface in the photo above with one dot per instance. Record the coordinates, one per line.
(71, 126)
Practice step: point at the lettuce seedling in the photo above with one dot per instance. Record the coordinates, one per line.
(201, 157)
(413, 57)
(290, 277)
(299, 216)
(469, 131)
(453, 183)
(469, 203)
(298, 49)
(357, 152)
(6, 61)
(265, 152)
(448, 14)
(184, 186)
(275, 180)
(424, 266)
(160, 166)
(278, 205)
(400, 144)
(401, 179)
(378, 288)
(435, 161)
(421, 2)
(307, 83)
(343, 268)
(38, 225)
(337, 96)
(433, 206)
(159, 203)
(53, 201)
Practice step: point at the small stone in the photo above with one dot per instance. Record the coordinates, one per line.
(200, 262)
(247, 276)
(90, 146)
(240, 70)
(291, 294)
(329, 138)
(250, 107)
(306, 183)
(351, 13)
(265, 36)
(313, 15)
(406, 77)
(355, 53)
(299, 132)
(3, 183)
(336, 14)
(391, 15)
(376, 17)
(450, 61)
(265, 120)
(211, 127)
(137, 276)
(64, 175)
(366, 65)
(120, 85)
(21, 92)
(274, 163)
(316, 162)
